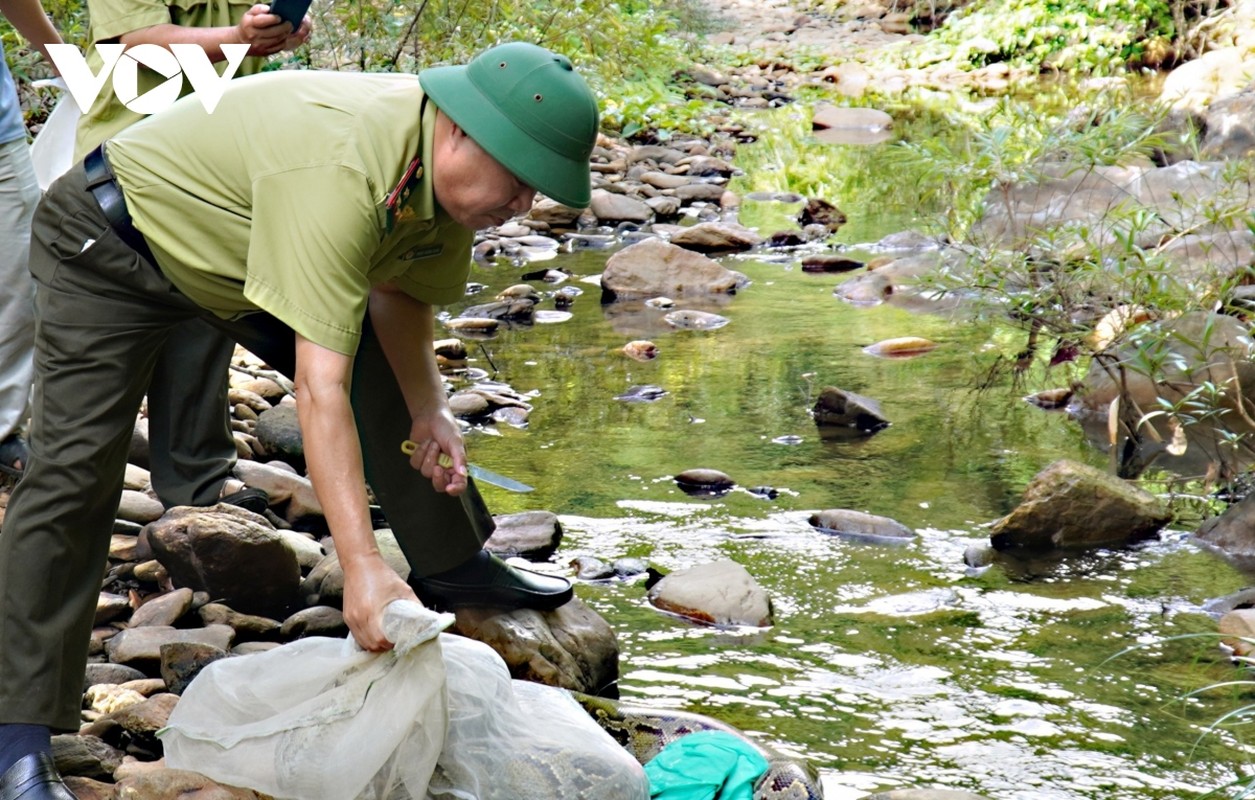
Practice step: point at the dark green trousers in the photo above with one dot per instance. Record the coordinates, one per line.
(103, 313)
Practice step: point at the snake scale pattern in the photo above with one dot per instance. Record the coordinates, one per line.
(645, 731)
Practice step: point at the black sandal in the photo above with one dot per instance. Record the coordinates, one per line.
(14, 455)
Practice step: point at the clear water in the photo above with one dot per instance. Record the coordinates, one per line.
(886, 666)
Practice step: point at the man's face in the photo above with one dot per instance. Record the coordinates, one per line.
(472, 186)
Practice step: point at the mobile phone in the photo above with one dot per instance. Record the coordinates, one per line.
(292, 11)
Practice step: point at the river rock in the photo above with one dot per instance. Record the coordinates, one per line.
(571, 646)
(533, 535)
(183, 661)
(838, 408)
(691, 320)
(588, 568)
(108, 672)
(518, 309)
(826, 117)
(654, 267)
(1233, 532)
(111, 606)
(325, 582)
(719, 593)
(165, 609)
(86, 756)
(553, 213)
(1229, 132)
(700, 192)
(136, 478)
(177, 784)
(283, 485)
(821, 212)
(141, 647)
(247, 627)
(315, 621)
(830, 263)
(1238, 629)
(611, 207)
(139, 507)
(861, 526)
(715, 237)
(472, 325)
(231, 553)
(1074, 505)
(641, 350)
(279, 432)
(704, 480)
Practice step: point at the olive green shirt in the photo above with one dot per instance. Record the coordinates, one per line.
(109, 19)
(276, 200)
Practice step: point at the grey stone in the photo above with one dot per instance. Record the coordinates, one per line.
(719, 593)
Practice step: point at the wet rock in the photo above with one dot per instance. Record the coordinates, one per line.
(533, 535)
(664, 180)
(821, 212)
(979, 556)
(839, 408)
(480, 325)
(1232, 533)
(715, 237)
(654, 267)
(510, 415)
(518, 309)
(1073, 505)
(704, 481)
(588, 568)
(283, 485)
(325, 582)
(700, 192)
(1219, 606)
(690, 320)
(111, 606)
(720, 593)
(830, 263)
(664, 206)
(828, 117)
(660, 302)
(642, 394)
(1230, 133)
(641, 350)
(1238, 631)
(232, 554)
(861, 526)
(901, 347)
(1051, 399)
(571, 646)
(629, 567)
(469, 405)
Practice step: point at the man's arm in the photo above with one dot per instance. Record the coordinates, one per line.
(263, 32)
(28, 17)
(405, 329)
(333, 456)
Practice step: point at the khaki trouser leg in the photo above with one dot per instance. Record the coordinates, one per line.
(102, 314)
(435, 531)
(191, 451)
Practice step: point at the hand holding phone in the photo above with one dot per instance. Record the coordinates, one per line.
(291, 11)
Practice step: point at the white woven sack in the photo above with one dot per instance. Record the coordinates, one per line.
(319, 719)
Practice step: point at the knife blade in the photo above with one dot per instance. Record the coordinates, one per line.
(409, 447)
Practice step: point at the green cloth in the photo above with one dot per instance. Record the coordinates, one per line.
(276, 200)
(705, 765)
(109, 19)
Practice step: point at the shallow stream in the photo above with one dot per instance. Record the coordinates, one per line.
(886, 667)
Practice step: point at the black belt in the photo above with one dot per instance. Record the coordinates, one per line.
(104, 188)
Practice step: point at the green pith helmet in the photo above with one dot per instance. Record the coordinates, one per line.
(529, 109)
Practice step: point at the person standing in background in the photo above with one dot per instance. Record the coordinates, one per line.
(19, 192)
(191, 450)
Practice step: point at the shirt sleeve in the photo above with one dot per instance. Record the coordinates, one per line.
(112, 18)
(314, 230)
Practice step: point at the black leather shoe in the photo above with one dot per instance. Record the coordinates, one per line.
(34, 777)
(486, 580)
(255, 500)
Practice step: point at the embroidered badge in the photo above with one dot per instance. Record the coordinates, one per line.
(396, 202)
(415, 253)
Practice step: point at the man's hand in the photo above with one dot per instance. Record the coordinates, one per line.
(263, 32)
(300, 36)
(440, 455)
(369, 586)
